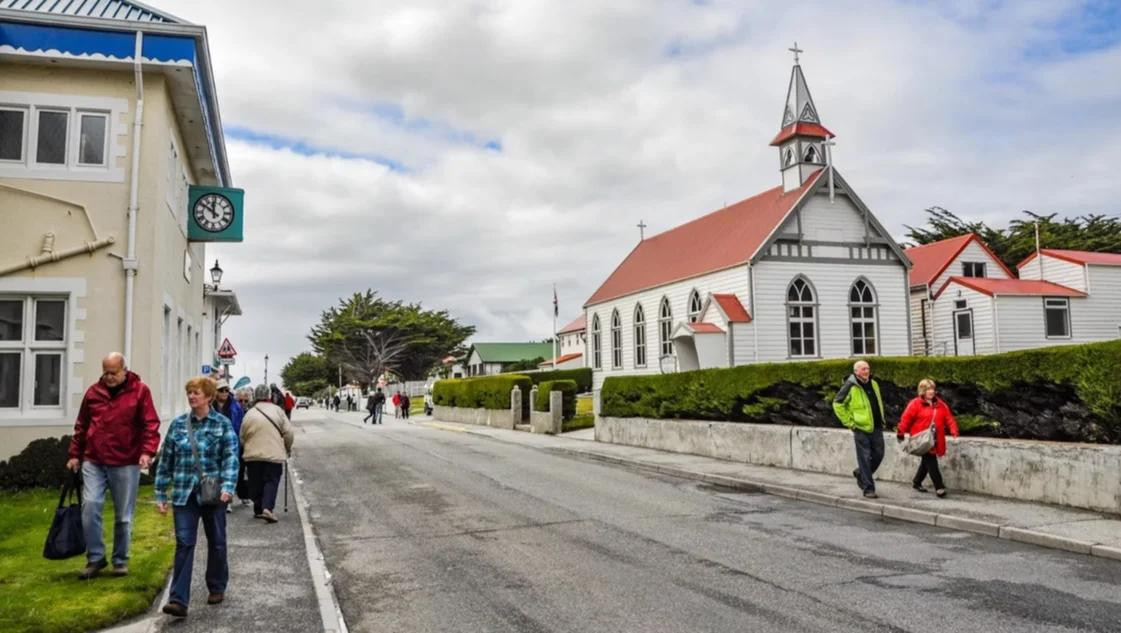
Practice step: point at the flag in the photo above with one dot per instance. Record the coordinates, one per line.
(556, 307)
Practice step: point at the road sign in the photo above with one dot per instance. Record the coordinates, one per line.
(226, 361)
(226, 350)
(206, 369)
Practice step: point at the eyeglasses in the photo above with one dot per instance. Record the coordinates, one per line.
(223, 390)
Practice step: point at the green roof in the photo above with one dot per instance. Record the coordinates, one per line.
(511, 352)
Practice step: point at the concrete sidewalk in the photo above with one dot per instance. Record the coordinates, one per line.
(1056, 527)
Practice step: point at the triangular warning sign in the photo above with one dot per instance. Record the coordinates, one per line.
(226, 350)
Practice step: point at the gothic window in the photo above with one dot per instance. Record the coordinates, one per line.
(801, 318)
(639, 336)
(788, 157)
(597, 342)
(811, 154)
(694, 306)
(616, 341)
(665, 325)
(862, 317)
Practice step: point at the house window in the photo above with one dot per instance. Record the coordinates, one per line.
(32, 352)
(1056, 314)
(801, 318)
(973, 269)
(13, 131)
(616, 341)
(639, 337)
(959, 304)
(665, 325)
(694, 306)
(92, 138)
(51, 139)
(862, 315)
(597, 343)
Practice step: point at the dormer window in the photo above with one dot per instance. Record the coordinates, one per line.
(973, 269)
(811, 154)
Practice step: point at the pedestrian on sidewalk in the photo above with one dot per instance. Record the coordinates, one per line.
(245, 397)
(924, 410)
(200, 442)
(233, 409)
(859, 407)
(289, 404)
(379, 406)
(336, 400)
(267, 438)
(397, 404)
(405, 404)
(115, 436)
(371, 403)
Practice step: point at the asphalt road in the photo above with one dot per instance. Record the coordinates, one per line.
(431, 530)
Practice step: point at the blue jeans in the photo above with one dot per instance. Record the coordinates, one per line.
(186, 532)
(123, 483)
(869, 454)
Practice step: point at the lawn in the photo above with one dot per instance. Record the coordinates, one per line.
(45, 596)
(584, 418)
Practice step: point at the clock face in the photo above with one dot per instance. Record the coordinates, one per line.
(214, 212)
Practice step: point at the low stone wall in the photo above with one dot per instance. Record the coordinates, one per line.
(498, 418)
(550, 421)
(1078, 475)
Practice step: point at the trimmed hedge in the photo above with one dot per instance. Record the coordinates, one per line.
(568, 397)
(483, 392)
(1061, 393)
(41, 465)
(582, 377)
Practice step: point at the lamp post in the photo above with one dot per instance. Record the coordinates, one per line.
(216, 274)
(266, 369)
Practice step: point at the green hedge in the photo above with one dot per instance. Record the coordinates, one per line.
(42, 464)
(582, 377)
(483, 392)
(1090, 371)
(568, 396)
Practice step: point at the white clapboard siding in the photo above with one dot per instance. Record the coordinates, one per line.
(973, 252)
(831, 283)
(1020, 322)
(1057, 271)
(1096, 317)
(743, 343)
(732, 280)
(837, 221)
(1101, 318)
(942, 315)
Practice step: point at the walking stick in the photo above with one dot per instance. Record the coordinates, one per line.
(286, 484)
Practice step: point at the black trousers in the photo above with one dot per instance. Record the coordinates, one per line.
(242, 489)
(264, 478)
(869, 455)
(929, 465)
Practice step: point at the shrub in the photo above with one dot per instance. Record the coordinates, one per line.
(1061, 393)
(483, 392)
(568, 396)
(41, 465)
(582, 376)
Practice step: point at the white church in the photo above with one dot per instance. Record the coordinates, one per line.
(802, 271)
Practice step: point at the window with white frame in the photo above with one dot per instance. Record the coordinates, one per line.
(639, 336)
(801, 311)
(1056, 314)
(862, 317)
(51, 136)
(597, 342)
(694, 306)
(93, 136)
(616, 340)
(32, 352)
(973, 269)
(665, 328)
(59, 136)
(13, 133)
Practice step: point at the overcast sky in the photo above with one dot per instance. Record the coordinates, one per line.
(468, 155)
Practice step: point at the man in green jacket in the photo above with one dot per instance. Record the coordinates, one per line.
(860, 407)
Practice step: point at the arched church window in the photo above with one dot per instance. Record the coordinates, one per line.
(665, 328)
(788, 157)
(694, 306)
(862, 317)
(801, 318)
(616, 341)
(639, 336)
(597, 342)
(811, 155)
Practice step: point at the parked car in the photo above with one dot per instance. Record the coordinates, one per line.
(303, 402)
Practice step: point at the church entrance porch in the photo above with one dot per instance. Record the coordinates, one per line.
(700, 346)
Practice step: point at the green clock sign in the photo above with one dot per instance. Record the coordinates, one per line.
(215, 214)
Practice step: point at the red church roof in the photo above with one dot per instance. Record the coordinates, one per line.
(578, 324)
(704, 328)
(1023, 287)
(732, 308)
(716, 241)
(930, 260)
(802, 129)
(1078, 257)
(564, 358)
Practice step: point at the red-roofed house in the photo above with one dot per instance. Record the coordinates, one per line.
(801, 271)
(966, 301)
(570, 345)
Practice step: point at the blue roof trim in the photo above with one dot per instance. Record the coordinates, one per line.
(35, 38)
(169, 48)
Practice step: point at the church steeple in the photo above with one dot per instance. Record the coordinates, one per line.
(801, 141)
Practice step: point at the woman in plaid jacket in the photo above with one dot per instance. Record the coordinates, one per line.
(178, 469)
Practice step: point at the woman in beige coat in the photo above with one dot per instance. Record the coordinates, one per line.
(266, 441)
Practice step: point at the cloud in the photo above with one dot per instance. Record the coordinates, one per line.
(469, 155)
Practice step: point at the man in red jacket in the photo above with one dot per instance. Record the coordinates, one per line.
(116, 434)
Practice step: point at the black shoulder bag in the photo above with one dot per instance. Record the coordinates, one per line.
(66, 538)
(210, 488)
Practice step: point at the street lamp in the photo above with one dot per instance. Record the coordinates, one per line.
(216, 274)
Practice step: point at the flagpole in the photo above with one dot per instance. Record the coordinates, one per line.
(556, 309)
(1038, 251)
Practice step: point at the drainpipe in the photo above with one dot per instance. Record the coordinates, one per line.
(129, 261)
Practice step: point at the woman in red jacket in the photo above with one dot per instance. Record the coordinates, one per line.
(920, 413)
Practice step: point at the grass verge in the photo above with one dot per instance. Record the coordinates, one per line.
(579, 421)
(45, 596)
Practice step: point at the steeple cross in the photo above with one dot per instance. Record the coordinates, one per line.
(795, 50)
(641, 230)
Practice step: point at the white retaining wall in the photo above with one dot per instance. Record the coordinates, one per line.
(498, 418)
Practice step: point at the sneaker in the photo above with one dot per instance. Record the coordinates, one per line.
(919, 488)
(941, 492)
(92, 569)
(229, 509)
(258, 516)
(215, 598)
(175, 609)
(119, 570)
(871, 494)
(269, 516)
